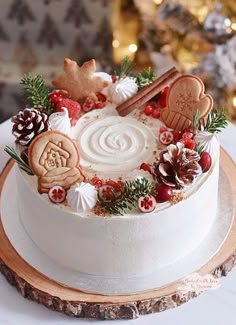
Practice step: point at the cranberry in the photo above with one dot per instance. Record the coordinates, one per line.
(106, 193)
(116, 185)
(166, 137)
(57, 194)
(205, 161)
(147, 203)
(148, 109)
(156, 113)
(163, 193)
(163, 97)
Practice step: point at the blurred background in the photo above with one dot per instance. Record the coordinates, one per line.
(197, 36)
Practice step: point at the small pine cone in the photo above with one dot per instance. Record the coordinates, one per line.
(27, 124)
(177, 166)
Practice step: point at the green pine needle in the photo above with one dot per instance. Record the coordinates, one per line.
(127, 199)
(12, 153)
(216, 121)
(195, 121)
(199, 148)
(36, 93)
(125, 68)
(145, 77)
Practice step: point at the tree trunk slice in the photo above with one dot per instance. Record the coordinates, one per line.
(33, 285)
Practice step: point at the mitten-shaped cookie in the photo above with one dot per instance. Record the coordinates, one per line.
(185, 97)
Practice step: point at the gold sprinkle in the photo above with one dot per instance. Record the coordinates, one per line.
(176, 198)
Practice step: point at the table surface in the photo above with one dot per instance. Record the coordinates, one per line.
(215, 306)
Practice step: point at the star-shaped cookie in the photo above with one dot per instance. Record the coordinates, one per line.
(80, 82)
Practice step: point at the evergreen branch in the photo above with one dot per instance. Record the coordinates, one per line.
(12, 153)
(216, 121)
(125, 68)
(195, 121)
(128, 197)
(36, 93)
(145, 77)
(199, 148)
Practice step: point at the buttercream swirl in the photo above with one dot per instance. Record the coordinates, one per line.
(115, 145)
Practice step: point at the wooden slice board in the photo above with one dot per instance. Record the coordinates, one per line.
(33, 285)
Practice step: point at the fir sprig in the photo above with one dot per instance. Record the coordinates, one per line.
(128, 197)
(216, 121)
(36, 93)
(145, 77)
(125, 68)
(12, 153)
(195, 121)
(199, 148)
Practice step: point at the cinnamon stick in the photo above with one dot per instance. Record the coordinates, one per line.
(148, 92)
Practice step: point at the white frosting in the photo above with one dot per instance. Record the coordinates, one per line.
(119, 246)
(122, 90)
(138, 174)
(209, 141)
(114, 144)
(82, 197)
(60, 121)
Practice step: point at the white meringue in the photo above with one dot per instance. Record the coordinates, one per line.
(122, 89)
(209, 141)
(60, 121)
(105, 76)
(138, 174)
(82, 197)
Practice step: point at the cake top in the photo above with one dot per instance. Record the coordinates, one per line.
(111, 144)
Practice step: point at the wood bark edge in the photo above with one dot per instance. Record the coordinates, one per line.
(107, 311)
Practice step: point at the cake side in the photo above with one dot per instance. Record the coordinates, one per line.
(134, 244)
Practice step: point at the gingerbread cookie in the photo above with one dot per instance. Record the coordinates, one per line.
(186, 95)
(54, 158)
(80, 82)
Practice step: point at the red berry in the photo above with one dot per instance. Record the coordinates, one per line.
(106, 193)
(148, 109)
(162, 129)
(188, 143)
(205, 161)
(88, 104)
(57, 194)
(24, 155)
(146, 167)
(166, 137)
(99, 105)
(187, 135)
(101, 97)
(97, 182)
(113, 78)
(147, 203)
(73, 107)
(156, 113)
(163, 96)
(57, 95)
(116, 185)
(163, 193)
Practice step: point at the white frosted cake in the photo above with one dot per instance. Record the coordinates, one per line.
(121, 178)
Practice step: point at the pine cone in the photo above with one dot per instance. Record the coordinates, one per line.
(177, 166)
(27, 124)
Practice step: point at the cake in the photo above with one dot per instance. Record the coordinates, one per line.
(118, 174)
